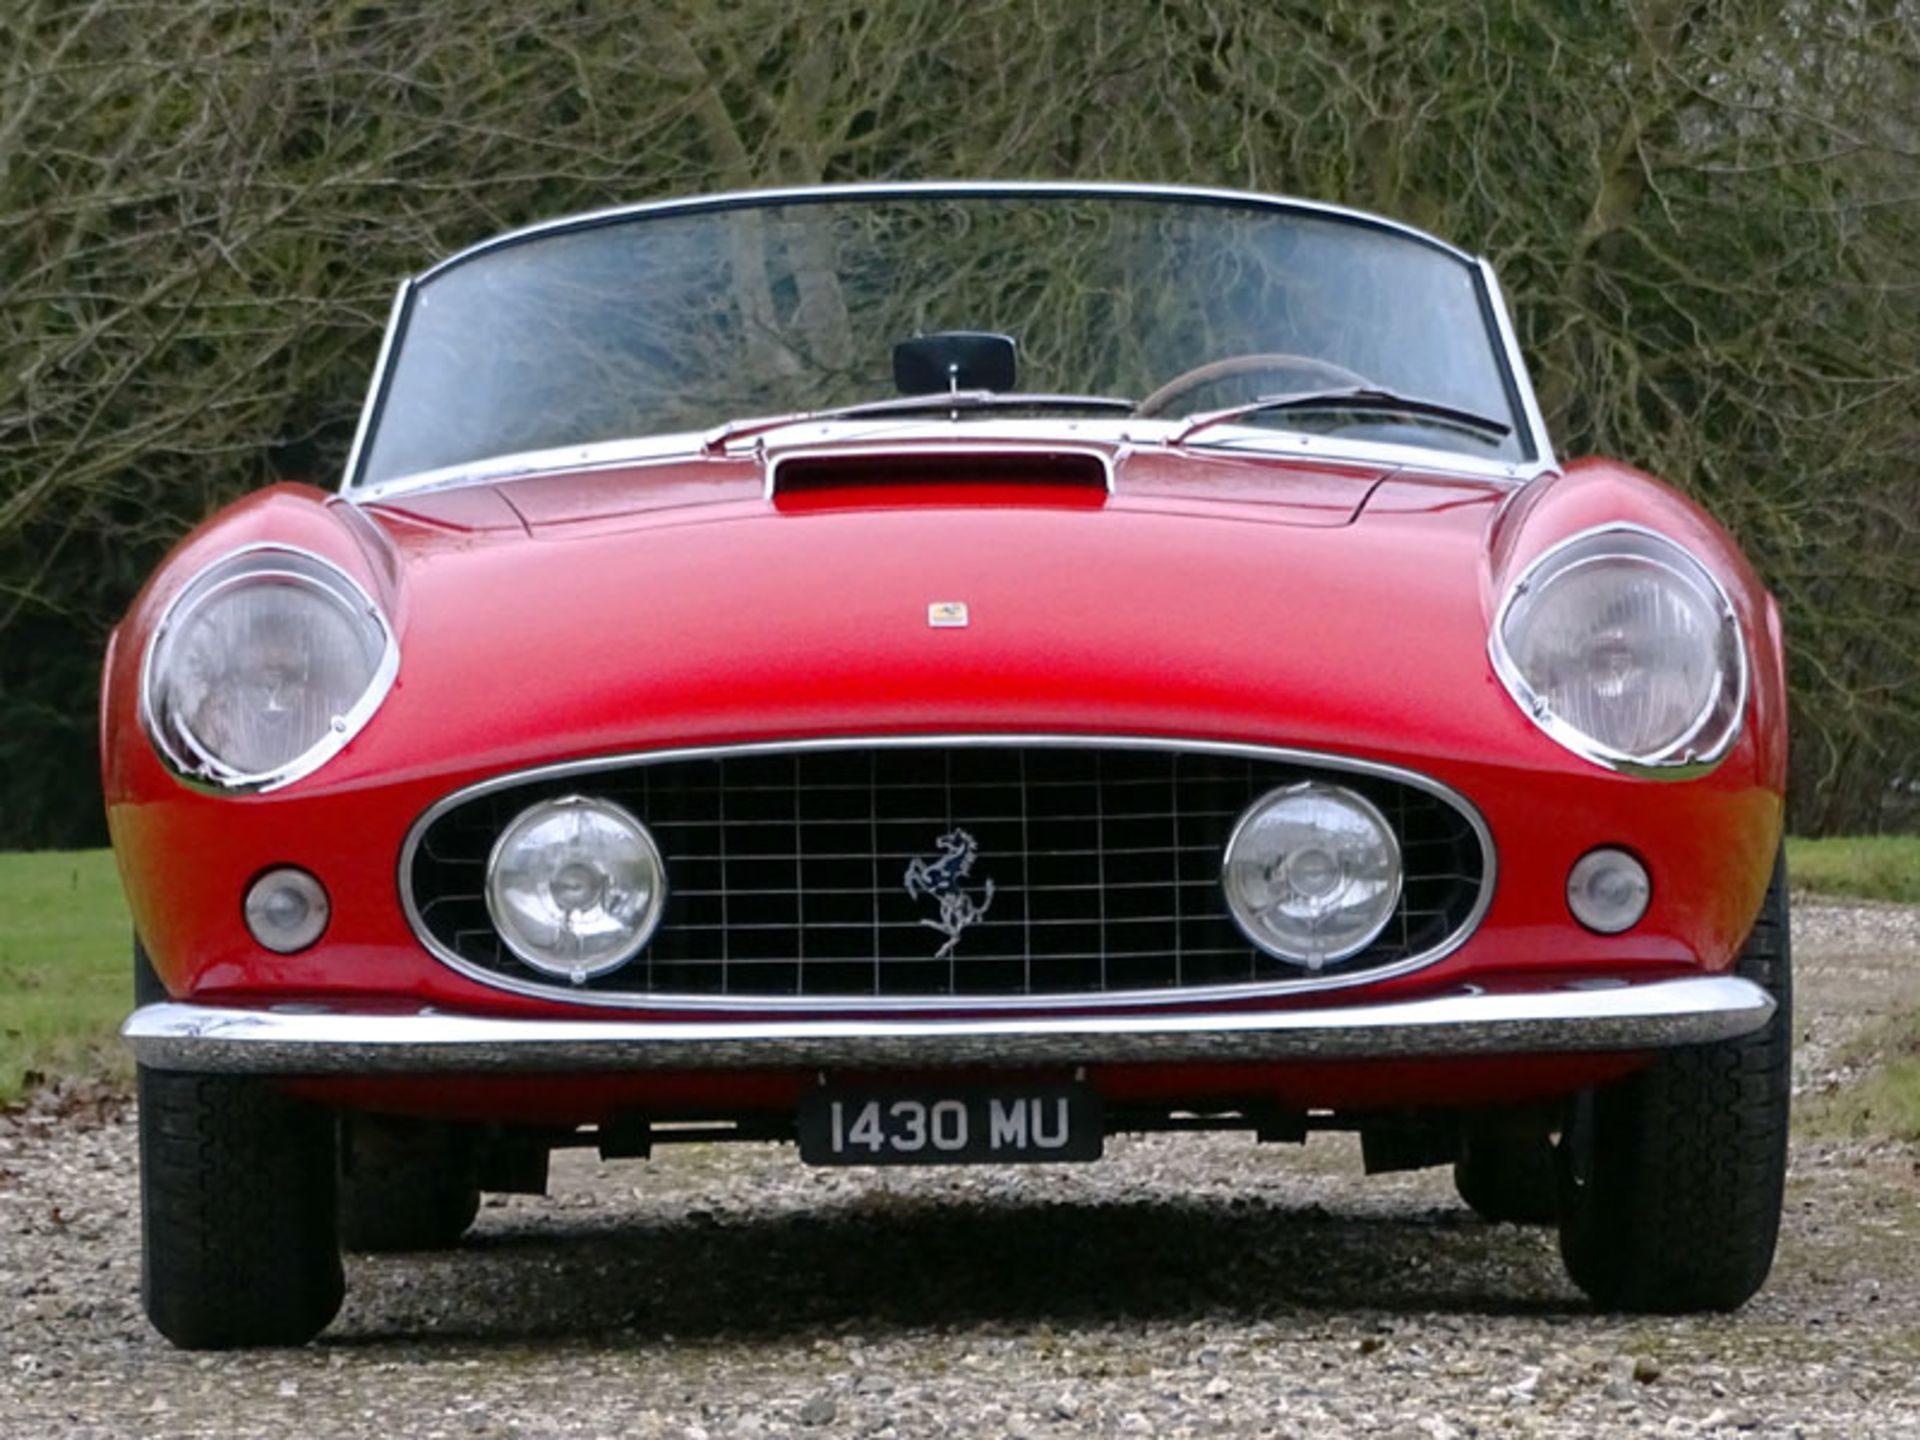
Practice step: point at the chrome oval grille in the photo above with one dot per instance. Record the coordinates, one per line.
(946, 869)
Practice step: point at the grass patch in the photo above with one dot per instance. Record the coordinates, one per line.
(1857, 867)
(1889, 1100)
(1885, 1101)
(65, 981)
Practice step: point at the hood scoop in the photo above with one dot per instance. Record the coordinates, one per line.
(893, 477)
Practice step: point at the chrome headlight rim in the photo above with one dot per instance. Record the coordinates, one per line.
(185, 758)
(1718, 726)
(644, 927)
(1336, 955)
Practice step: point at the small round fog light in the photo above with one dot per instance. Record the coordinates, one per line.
(575, 887)
(1312, 873)
(1608, 890)
(287, 910)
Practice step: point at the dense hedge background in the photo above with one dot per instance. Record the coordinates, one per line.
(1707, 217)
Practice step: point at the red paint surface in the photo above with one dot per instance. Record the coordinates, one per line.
(1330, 608)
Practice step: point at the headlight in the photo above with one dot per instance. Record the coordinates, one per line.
(264, 667)
(575, 887)
(1623, 648)
(1312, 873)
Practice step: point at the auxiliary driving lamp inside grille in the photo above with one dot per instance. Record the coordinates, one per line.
(922, 869)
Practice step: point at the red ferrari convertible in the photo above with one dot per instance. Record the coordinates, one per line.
(944, 674)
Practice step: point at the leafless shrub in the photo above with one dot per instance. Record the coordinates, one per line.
(1705, 214)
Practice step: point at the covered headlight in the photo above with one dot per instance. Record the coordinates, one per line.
(1625, 649)
(575, 887)
(264, 667)
(1312, 873)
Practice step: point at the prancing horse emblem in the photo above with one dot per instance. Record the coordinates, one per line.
(944, 877)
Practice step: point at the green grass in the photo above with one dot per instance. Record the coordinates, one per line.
(1886, 1099)
(65, 976)
(1862, 867)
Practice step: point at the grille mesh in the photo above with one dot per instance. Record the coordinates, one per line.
(787, 872)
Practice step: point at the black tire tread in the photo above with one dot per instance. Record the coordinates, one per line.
(147, 989)
(1682, 1212)
(237, 1212)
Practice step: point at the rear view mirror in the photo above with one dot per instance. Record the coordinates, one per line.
(952, 360)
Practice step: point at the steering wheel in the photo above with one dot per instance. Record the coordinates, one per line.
(1317, 371)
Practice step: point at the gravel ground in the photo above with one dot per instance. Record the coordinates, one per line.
(1192, 1285)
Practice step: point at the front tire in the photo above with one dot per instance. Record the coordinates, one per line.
(238, 1241)
(147, 989)
(1672, 1181)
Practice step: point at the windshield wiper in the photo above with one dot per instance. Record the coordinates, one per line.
(956, 400)
(1354, 397)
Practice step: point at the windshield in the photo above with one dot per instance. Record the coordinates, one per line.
(680, 321)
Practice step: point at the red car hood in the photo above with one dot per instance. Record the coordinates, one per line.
(1336, 608)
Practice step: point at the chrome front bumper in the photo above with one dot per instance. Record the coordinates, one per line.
(314, 1040)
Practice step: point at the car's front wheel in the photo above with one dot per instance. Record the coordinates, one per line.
(1671, 1181)
(238, 1239)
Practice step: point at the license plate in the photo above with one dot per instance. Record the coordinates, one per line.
(1019, 1125)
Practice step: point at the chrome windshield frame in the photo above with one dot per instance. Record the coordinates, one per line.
(1505, 344)
(995, 434)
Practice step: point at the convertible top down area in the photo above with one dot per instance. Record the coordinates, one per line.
(946, 674)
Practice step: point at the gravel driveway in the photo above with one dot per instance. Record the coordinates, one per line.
(1191, 1285)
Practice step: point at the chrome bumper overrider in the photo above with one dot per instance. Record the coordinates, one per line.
(313, 1040)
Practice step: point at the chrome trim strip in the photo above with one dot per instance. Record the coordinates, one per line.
(938, 189)
(688, 446)
(376, 388)
(208, 775)
(1112, 999)
(1687, 764)
(315, 1040)
(680, 447)
(1517, 368)
(882, 449)
(1270, 443)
